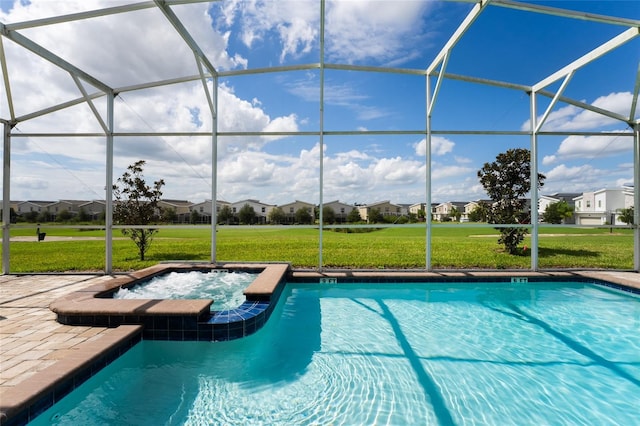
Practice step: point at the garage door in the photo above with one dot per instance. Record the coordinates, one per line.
(590, 221)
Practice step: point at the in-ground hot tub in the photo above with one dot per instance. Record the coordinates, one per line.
(176, 319)
(226, 287)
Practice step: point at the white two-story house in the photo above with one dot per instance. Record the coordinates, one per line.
(602, 207)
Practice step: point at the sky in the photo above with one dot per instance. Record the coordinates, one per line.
(503, 44)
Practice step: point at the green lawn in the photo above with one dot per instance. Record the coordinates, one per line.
(455, 247)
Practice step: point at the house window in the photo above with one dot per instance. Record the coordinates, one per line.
(588, 204)
(263, 209)
(201, 209)
(342, 210)
(599, 203)
(579, 204)
(234, 209)
(290, 209)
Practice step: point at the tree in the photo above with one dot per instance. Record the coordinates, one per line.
(375, 216)
(328, 215)
(626, 215)
(225, 215)
(64, 216)
(480, 213)
(507, 180)
(169, 215)
(31, 217)
(43, 216)
(556, 213)
(83, 216)
(303, 216)
(354, 216)
(137, 204)
(277, 216)
(455, 214)
(194, 217)
(247, 215)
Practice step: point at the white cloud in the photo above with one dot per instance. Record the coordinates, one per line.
(373, 30)
(591, 147)
(439, 146)
(573, 118)
(354, 30)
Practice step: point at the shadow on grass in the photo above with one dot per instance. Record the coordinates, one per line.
(551, 252)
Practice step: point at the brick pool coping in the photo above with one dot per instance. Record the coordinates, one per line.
(95, 299)
(34, 394)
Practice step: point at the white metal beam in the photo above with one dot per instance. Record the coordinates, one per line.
(182, 31)
(6, 196)
(95, 14)
(533, 165)
(90, 103)
(634, 102)
(457, 35)
(604, 48)
(214, 170)
(108, 220)
(574, 14)
(53, 58)
(553, 102)
(7, 85)
(436, 90)
(586, 106)
(636, 197)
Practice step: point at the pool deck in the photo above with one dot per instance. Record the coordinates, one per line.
(37, 353)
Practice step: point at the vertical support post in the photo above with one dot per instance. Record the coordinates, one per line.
(534, 184)
(427, 206)
(214, 170)
(108, 217)
(321, 141)
(636, 197)
(6, 197)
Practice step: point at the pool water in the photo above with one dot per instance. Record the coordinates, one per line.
(225, 288)
(392, 354)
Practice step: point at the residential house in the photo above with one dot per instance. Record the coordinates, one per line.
(290, 210)
(602, 207)
(93, 209)
(262, 210)
(545, 201)
(71, 206)
(418, 209)
(204, 209)
(341, 210)
(180, 207)
(444, 210)
(26, 207)
(386, 208)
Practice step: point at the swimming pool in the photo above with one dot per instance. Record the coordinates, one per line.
(225, 288)
(402, 353)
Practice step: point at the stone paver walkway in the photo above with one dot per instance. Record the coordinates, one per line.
(31, 340)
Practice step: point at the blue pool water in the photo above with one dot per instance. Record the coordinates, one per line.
(225, 288)
(390, 354)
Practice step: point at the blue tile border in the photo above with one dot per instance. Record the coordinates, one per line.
(231, 324)
(465, 279)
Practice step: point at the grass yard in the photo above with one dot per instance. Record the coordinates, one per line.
(453, 247)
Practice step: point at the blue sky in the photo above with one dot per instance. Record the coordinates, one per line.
(503, 44)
